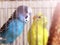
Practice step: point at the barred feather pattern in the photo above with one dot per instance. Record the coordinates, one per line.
(54, 37)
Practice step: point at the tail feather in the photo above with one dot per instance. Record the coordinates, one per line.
(2, 40)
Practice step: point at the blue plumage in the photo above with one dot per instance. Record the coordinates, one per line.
(15, 25)
(15, 28)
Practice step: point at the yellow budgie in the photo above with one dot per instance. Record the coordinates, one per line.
(38, 33)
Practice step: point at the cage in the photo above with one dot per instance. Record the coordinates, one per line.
(8, 7)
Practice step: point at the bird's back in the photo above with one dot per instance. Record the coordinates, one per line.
(14, 29)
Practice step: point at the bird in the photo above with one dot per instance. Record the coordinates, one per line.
(13, 28)
(38, 33)
(54, 32)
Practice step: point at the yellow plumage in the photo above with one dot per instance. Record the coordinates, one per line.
(38, 33)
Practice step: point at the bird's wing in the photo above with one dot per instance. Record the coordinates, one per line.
(4, 27)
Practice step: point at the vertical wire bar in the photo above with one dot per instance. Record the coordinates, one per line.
(23, 29)
(47, 9)
(16, 25)
(14, 13)
(36, 27)
(6, 15)
(2, 9)
(3, 16)
(19, 36)
(11, 18)
(43, 29)
(30, 25)
(0, 19)
(12, 24)
(19, 40)
(26, 27)
(35, 22)
(45, 13)
(44, 8)
(0, 23)
(23, 23)
(0, 16)
(30, 31)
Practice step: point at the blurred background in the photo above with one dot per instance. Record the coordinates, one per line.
(29, 0)
(7, 7)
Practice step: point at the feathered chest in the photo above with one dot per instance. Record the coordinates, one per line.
(15, 27)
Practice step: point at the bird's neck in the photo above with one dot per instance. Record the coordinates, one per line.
(38, 23)
(21, 22)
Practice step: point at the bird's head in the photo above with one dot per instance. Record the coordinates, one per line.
(23, 13)
(40, 18)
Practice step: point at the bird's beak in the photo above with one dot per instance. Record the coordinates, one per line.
(34, 17)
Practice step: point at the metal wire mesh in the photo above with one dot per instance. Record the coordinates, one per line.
(7, 8)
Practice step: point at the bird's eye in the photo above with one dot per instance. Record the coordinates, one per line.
(26, 20)
(39, 17)
(26, 17)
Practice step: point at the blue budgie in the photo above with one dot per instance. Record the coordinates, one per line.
(15, 25)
